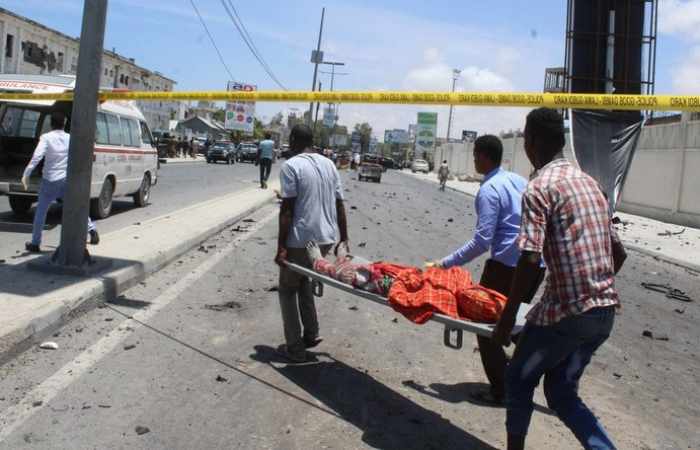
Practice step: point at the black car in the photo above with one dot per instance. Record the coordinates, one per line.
(247, 152)
(221, 151)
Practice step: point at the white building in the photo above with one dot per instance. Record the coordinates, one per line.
(30, 48)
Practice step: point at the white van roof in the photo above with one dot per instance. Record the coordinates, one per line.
(48, 84)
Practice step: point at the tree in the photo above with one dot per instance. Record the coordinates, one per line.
(219, 115)
(365, 131)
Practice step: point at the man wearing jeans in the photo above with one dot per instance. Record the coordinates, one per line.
(53, 149)
(497, 205)
(565, 218)
(266, 150)
(312, 211)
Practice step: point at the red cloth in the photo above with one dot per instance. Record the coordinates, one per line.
(418, 295)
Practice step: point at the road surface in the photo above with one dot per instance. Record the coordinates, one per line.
(179, 185)
(194, 366)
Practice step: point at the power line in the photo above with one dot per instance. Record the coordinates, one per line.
(211, 38)
(248, 40)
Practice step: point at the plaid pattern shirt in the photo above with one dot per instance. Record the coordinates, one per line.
(565, 217)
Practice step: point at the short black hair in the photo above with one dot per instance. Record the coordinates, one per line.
(268, 135)
(490, 146)
(301, 136)
(58, 120)
(547, 126)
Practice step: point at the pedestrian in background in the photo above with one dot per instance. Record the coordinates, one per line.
(498, 209)
(312, 211)
(193, 148)
(266, 151)
(565, 217)
(53, 149)
(443, 174)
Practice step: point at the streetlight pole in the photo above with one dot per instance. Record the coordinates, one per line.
(455, 75)
(316, 58)
(71, 252)
(333, 73)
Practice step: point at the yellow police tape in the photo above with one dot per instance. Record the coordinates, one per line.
(509, 99)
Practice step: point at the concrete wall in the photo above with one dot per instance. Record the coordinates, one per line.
(663, 181)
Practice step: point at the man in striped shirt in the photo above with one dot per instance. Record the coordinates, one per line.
(565, 219)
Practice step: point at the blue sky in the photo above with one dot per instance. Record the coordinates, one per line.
(390, 44)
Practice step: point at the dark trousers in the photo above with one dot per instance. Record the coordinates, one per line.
(265, 168)
(499, 277)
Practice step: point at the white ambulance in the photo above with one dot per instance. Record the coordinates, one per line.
(125, 161)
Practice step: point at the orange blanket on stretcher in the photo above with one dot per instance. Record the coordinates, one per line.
(418, 295)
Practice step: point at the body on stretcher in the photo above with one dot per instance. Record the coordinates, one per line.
(454, 327)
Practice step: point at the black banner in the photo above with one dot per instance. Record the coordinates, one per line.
(604, 144)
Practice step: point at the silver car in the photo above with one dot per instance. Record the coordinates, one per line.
(420, 165)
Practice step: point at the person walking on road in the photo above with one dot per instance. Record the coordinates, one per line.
(266, 151)
(312, 211)
(565, 217)
(53, 149)
(498, 204)
(443, 174)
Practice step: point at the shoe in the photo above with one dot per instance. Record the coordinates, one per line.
(32, 248)
(284, 352)
(312, 342)
(94, 237)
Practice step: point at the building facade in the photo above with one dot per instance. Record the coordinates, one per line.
(30, 48)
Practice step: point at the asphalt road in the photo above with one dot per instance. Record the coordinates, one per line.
(179, 185)
(195, 366)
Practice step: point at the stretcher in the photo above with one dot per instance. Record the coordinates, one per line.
(454, 328)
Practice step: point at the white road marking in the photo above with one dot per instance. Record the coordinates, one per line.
(14, 416)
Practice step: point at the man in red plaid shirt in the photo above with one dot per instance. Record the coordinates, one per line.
(564, 218)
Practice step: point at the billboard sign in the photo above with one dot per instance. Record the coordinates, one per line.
(240, 116)
(396, 136)
(339, 140)
(328, 117)
(469, 135)
(426, 131)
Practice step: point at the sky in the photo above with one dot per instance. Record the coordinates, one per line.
(499, 45)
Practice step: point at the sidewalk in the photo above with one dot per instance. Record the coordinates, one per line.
(32, 304)
(667, 242)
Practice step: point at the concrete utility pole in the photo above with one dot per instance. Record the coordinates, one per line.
(76, 203)
(455, 75)
(316, 58)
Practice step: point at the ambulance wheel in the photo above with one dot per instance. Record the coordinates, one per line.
(20, 205)
(142, 196)
(101, 206)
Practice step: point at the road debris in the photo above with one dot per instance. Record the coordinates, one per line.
(129, 347)
(141, 430)
(273, 289)
(223, 306)
(353, 308)
(221, 379)
(668, 291)
(248, 220)
(37, 403)
(672, 233)
(362, 244)
(48, 345)
(648, 334)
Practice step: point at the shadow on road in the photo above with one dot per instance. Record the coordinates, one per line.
(461, 392)
(388, 419)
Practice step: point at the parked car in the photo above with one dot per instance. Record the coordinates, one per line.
(221, 151)
(370, 171)
(247, 152)
(285, 152)
(420, 165)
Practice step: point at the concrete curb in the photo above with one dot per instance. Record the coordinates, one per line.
(634, 247)
(105, 287)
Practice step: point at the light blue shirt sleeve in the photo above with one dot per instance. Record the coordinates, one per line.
(288, 181)
(487, 209)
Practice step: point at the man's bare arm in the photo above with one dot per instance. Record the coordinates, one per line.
(285, 224)
(342, 220)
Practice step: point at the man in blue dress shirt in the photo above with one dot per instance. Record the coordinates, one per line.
(498, 206)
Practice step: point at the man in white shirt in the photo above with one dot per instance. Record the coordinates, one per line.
(53, 149)
(312, 211)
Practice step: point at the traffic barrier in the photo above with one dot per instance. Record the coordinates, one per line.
(497, 99)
